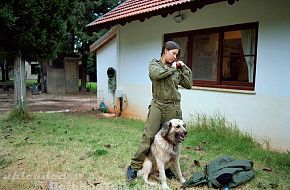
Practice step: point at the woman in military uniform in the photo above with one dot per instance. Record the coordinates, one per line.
(165, 74)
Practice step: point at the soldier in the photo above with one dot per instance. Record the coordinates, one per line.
(165, 74)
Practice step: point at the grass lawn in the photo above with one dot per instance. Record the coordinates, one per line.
(30, 82)
(69, 151)
(91, 86)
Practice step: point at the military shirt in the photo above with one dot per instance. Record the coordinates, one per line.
(165, 81)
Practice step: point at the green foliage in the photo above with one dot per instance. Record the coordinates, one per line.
(7, 19)
(30, 82)
(82, 13)
(217, 123)
(36, 28)
(92, 86)
(91, 68)
(43, 28)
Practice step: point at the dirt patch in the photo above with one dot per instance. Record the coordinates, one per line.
(73, 102)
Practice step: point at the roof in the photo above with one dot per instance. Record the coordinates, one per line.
(132, 10)
(104, 40)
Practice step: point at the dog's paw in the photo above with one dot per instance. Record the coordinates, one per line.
(182, 180)
(165, 187)
(152, 183)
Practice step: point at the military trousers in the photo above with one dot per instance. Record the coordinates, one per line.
(159, 112)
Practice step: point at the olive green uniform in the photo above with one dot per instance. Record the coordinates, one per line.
(165, 104)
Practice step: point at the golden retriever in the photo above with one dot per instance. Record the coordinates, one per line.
(165, 152)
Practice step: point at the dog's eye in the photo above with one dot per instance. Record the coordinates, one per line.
(184, 126)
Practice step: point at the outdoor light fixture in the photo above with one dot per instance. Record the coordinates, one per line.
(178, 18)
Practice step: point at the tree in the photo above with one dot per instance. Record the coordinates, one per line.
(6, 50)
(36, 30)
(85, 11)
(4, 70)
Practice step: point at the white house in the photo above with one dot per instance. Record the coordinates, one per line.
(31, 70)
(239, 53)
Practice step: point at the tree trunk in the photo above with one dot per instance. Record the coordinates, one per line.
(2, 72)
(84, 71)
(7, 71)
(19, 84)
(42, 76)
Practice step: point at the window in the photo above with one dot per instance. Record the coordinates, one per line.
(58, 63)
(34, 69)
(223, 57)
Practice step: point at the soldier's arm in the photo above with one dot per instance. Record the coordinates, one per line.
(186, 77)
(156, 71)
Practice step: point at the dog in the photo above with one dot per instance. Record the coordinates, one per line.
(165, 152)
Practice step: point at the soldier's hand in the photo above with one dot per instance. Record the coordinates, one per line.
(174, 64)
(180, 63)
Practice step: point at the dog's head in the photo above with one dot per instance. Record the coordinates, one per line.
(174, 131)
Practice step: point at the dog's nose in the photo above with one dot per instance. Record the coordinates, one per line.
(185, 133)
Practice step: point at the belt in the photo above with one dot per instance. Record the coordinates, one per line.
(166, 101)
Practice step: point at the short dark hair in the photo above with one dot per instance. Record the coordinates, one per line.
(171, 45)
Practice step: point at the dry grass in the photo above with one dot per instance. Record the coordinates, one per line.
(67, 151)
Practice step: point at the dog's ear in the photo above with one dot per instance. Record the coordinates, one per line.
(166, 128)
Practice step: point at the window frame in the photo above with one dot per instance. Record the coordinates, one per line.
(219, 83)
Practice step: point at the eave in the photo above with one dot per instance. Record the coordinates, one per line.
(132, 13)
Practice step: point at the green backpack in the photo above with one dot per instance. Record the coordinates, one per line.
(223, 172)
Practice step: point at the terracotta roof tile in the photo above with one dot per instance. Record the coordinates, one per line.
(135, 7)
(141, 9)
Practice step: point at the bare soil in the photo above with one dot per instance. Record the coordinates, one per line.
(72, 102)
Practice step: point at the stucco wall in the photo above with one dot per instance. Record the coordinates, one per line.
(264, 113)
(105, 58)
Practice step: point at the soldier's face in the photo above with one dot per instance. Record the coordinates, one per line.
(171, 55)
